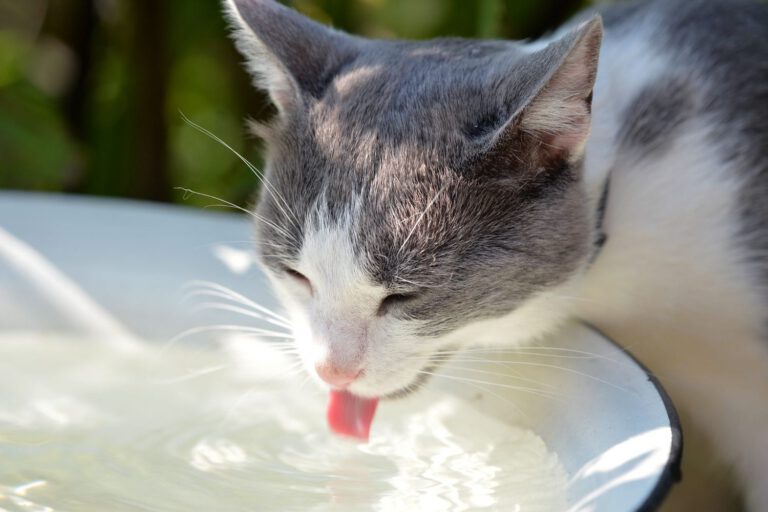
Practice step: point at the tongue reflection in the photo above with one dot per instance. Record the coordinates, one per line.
(351, 415)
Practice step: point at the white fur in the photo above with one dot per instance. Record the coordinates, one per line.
(670, 284)
(537, 318)
(616, 85)
(337, 322)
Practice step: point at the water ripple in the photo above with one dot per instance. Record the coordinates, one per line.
(90, 429)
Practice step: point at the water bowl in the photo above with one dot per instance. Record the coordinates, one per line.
(139, 373)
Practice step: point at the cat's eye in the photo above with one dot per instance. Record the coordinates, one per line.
(298, 277)
(393, 301)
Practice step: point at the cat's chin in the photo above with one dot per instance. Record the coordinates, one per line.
(414, 386)
(419, 379)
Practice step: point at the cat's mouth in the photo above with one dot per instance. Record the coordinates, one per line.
(352, 415)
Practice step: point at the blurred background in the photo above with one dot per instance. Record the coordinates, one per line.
(92, 91)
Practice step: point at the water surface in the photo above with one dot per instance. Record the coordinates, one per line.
(84, 427)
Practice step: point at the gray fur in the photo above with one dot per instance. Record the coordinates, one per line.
(655, 116)
(722, 47)
(431, 131)
(725, 46)
(398, 131)
(308, 54)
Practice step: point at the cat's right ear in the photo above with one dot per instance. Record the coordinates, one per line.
(289, 55)
(552, 122)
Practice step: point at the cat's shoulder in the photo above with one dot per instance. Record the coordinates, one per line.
(689, 23)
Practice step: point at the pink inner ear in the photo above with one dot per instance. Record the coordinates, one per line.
(566, 140)
(572, 138)
(559, 115)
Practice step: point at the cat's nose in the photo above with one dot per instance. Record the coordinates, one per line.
(336, 376)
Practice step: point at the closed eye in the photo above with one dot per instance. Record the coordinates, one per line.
(298, 277)
(394, 301)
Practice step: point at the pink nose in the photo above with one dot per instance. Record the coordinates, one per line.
(336, 376)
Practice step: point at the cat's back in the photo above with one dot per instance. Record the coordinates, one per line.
(682, 88)
(720, 46)
(680, 127)
(717, 49)
(689, 58)
(680, 132)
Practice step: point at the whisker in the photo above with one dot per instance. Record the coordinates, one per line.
(306, 379)
(525, 347)
(276, 319)
(233, 328)
(293, 367)
(277, 344)
(534, 350)
(227, 416)
(238, 297)
(265, 243)
(528, 353)
(193, 375)
(571, 370)
(256, 172)
(422, 285)
(513, 374)
(224, 202)
(236, 309)
(551, 366)
(252, 214)
(538, 392)
(450, 362)
(421, 217)
(505, 400)
(539, 354)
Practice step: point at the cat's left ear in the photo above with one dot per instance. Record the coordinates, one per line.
(553, 123)
(289, 55)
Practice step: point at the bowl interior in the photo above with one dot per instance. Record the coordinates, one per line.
(65, 261)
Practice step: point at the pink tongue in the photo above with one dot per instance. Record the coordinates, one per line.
(351, 415)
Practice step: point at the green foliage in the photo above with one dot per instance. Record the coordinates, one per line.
(35, 147)
(75, 76)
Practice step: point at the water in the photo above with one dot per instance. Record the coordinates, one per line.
(232, 428)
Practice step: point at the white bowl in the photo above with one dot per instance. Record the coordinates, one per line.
(616, 431)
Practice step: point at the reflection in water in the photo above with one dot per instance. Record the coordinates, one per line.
(637, 458)
(17, 496)
(89, 428)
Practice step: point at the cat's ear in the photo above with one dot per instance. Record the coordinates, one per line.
(553, 123)
(289, 55)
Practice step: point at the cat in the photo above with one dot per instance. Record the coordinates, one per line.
(424, 196)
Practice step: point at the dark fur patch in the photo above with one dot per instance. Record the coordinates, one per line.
(653, 117)
(723, 45)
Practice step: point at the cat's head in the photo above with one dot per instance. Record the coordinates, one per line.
(416, 192)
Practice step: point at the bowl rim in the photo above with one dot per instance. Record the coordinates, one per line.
(667, 478)
(672, 472)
